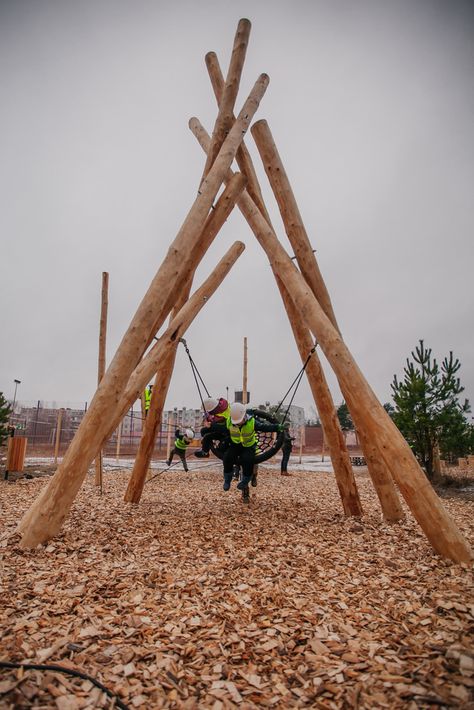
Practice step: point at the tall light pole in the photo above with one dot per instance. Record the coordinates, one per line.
(17, 382)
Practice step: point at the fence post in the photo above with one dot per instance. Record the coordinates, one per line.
(58, 435)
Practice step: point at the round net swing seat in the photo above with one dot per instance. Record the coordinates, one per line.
(268, 443)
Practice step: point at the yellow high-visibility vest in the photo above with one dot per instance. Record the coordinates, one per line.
(147, 399)
(244, 434)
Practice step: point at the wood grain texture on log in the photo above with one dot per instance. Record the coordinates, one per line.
(152, 422)
(101, 357)
(243, 157)
(308, 264)
(329, 420)
(225, 115)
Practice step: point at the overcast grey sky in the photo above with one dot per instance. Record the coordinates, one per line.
(371, 106)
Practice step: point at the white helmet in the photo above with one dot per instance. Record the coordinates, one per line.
(237, 412)
(210, 403)
(189, 433)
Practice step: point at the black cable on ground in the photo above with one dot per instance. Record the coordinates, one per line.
(69, 671)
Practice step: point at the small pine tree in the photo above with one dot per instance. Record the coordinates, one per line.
(345, 418)
(5, 411)
(427, 410)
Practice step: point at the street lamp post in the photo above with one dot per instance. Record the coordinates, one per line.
(17, 382)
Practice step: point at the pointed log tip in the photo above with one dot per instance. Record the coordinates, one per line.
(262, 122)
(244, 22)
(210, 57)
(193, 122)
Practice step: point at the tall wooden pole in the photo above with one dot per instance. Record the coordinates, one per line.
(244, 378)
(168, 438)
(152, 423)
(58, 434)
(435, 521)
(119, 437)
(47, 513)
(225, 116)
(101, 361)
(137, 479)
(307, 262)
(340, 458)
(315, 374)
(320, 390)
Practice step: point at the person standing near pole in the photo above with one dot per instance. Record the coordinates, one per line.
(286, 448)
(181, 443)
(147, 398)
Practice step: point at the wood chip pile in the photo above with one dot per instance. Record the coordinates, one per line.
(194, 600)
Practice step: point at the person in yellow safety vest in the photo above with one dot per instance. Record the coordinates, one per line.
(216, 413)
(242, 428)
(181, 443)
(147, 398)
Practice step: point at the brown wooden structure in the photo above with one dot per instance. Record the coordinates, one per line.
(391, 464)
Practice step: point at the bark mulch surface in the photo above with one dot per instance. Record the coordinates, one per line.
(193, 599)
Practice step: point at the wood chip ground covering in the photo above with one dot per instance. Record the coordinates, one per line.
(194, 600)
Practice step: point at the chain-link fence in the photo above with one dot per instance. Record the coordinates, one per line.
(51, 426)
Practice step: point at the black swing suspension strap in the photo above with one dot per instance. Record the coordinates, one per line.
(296, 382)
(196, 373)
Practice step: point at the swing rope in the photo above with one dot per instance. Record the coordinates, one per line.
(296, 382)
(195, 372)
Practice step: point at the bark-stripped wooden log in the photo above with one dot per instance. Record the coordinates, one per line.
(47, 513)
(307, 262)
(437, 524)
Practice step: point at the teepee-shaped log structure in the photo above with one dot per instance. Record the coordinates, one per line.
(309, 308)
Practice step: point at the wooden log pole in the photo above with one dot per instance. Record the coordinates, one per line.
(101, 359)
(244, 374)
(320, 390)
(437, 524)
(340, 457)
(329, 420)
(176, 329)
(296, 232)
(152, 423)
(142, 374)
(168, 437)
(45, 516)
(119, 437)
(225, 115)
(243, 157)
(137, 479)
(58, 435)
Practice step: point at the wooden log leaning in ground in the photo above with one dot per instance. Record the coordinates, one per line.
(57, 489)
(101, 358)
(47, 513)
(341, 462)
(307, 262)
(225, 115)
(435, 521)
(215, 221)
(322, 396)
